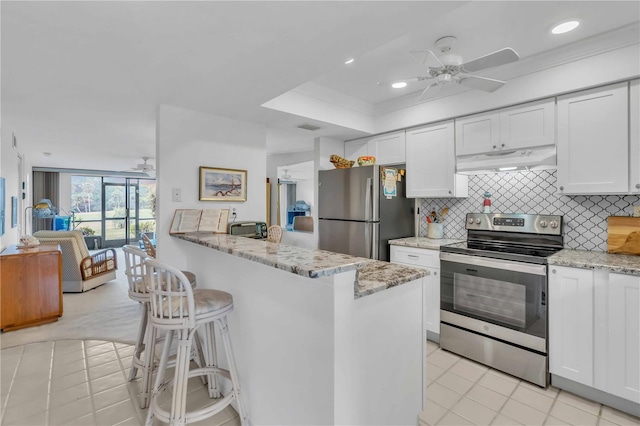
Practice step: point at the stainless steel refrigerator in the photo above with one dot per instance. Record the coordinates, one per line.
(354, 215)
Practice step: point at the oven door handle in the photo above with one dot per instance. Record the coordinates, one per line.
(526, 268)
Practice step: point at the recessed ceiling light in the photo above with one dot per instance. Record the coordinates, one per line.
(565, 27)
(399, 85)
(349, 61)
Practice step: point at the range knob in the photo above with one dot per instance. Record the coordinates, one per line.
(470, 221)
(478, 221)
(554, 224)
(543, 223)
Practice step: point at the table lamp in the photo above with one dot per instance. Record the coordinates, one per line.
(44, 208)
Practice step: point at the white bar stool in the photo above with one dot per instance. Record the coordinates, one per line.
(177, 308)
(135, 270)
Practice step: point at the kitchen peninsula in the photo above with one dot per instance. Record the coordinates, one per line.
(319, 337)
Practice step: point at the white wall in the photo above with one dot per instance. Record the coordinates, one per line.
(10, 170)
(186, 140)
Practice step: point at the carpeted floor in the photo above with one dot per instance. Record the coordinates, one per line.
(104, 313)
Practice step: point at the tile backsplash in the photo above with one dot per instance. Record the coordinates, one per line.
(585, 217)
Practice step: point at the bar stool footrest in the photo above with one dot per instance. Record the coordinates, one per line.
(200, 413)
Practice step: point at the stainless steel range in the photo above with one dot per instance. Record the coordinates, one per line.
(493, 306)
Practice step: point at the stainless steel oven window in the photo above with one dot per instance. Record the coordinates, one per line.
(491, 299)
(510, 294)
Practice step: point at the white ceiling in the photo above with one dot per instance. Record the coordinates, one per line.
(82, 80)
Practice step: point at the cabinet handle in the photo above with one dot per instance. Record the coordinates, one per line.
(435, 273)
(449, 192)
(494, 146)
(553, 271)
(562, 188)
(413, 256)
(638, 185)
(502, 145)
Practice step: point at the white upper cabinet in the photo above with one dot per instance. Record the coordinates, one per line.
(518, 127)
(528, 125)
(593, 141)
(389, 148)
(634, 136)
(357, 148)
(431, 168)
(478, 133)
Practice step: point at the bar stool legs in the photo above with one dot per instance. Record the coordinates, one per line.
(178, 415)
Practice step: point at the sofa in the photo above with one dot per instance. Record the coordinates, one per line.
(81, 271)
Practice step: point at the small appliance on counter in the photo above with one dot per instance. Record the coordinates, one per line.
(256, 230)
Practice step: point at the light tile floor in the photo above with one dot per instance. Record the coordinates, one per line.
(84, 382)
(463, 392)
(79, 382)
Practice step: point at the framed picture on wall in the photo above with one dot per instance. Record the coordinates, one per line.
(2, 206)
(222, 184)
(14, 211)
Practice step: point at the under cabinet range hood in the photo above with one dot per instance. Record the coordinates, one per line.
(543, 157)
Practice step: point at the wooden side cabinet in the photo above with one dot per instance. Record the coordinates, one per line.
(30, 286)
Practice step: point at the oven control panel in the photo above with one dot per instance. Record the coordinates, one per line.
(515, 222)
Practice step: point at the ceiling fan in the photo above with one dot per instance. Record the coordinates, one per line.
(144, 167)
(451, 68)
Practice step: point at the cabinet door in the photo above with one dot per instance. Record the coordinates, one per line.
(593, 141)
(355, 149)
(571, 323)
(528, 125)
(617, 338)
(478, 133)
(634, 136)
(389, 149)
(418, 258)
(431, 161)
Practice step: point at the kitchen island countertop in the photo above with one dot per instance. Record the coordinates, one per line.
(372, 275)
(423, 242)
(620, 263)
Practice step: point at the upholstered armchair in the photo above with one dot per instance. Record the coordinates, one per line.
(81, 271)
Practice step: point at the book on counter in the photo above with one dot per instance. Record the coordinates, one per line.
(199, 220)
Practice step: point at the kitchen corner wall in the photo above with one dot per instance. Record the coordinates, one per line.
(585, 217)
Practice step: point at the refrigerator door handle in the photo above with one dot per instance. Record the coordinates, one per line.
(368, 199)
(368, 240)
(374, 241)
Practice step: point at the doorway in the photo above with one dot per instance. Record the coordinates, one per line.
(128, 210)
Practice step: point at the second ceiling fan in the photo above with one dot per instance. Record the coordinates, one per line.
(450, 68)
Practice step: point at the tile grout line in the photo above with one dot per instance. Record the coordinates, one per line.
(129, 385)
(49, 384)
(13, 377)
(86, 366)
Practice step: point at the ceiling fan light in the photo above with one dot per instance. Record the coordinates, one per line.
(565, 27)
(399, 85)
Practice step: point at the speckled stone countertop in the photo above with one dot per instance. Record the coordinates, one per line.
(622, 263)
(423, 242)
(377, 276)
(373, 276)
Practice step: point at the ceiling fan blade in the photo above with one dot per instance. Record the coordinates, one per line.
(423, 55)
(499, 57)
(481, 83)
(406, 80)
(425, 90)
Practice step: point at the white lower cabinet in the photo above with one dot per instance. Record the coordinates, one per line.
(430, 260)
(594, 329)
(571, 323)
(617, 332)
